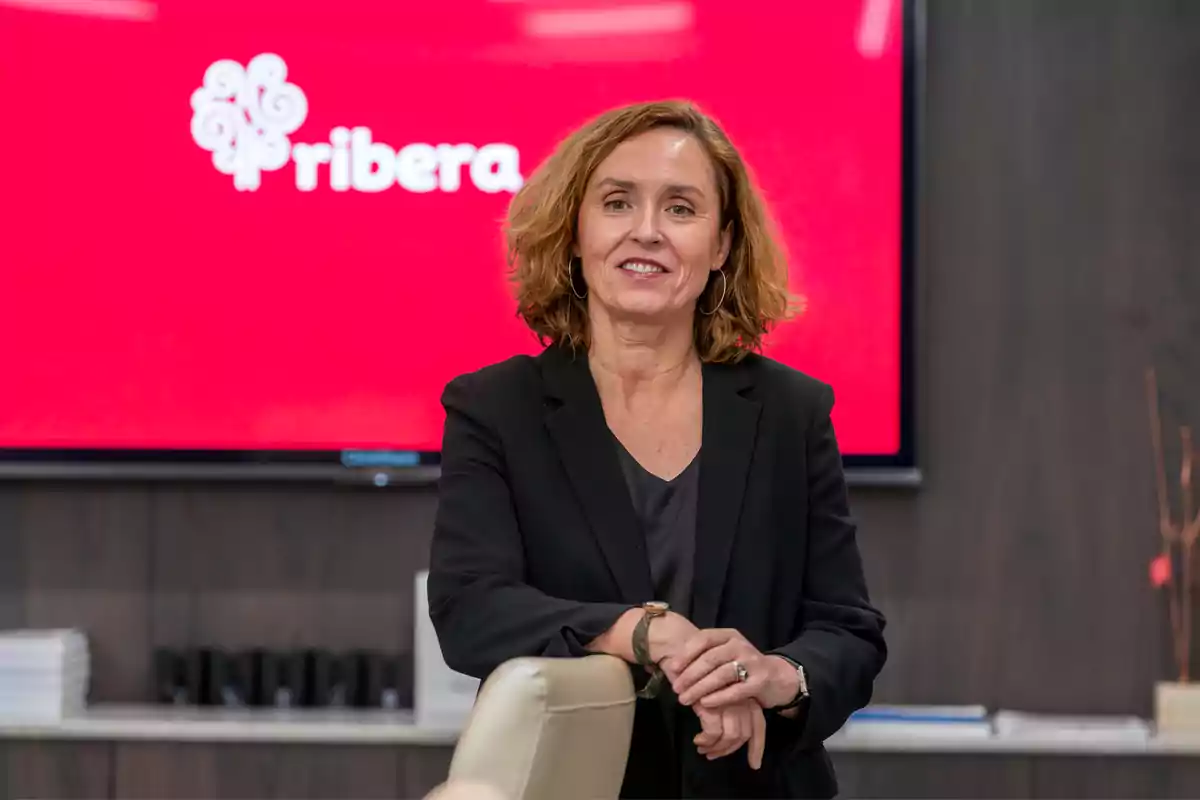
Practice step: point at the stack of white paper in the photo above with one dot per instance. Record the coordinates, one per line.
(43, 673)
(1071, 728)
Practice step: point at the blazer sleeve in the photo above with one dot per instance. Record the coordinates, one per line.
(841, 645)
(481, 607)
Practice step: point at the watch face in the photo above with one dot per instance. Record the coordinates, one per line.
(656, 607)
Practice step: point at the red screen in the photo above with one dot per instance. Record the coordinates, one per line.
(276, 224)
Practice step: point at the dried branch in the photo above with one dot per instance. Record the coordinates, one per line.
(1169, 533)
(1185, 481)
(1160, 465)
(1188, 537)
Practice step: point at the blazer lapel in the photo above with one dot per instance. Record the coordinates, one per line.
(730, 430)
(589, 456)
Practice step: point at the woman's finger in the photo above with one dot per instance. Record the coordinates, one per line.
(710, 729)
(725, 674)
(702, 665)
(758, 738)
(704, 640)
(732, 694)
(731, 734)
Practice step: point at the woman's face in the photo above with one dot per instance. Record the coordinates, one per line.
(649, 228)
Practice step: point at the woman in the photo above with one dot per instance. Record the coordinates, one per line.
(649, 486)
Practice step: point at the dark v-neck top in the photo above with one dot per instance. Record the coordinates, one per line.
(667, 513)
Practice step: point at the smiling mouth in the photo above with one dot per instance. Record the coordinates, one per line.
(642, 267)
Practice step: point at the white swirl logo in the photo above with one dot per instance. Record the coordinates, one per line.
(243, 117)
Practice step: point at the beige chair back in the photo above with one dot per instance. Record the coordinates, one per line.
(550, 729)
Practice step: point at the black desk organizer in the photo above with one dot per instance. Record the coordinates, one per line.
(307, 678)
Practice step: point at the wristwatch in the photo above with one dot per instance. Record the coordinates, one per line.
(802, 696)
(641, 647)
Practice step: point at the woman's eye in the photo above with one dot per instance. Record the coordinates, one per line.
(680, 210)
(616, 205)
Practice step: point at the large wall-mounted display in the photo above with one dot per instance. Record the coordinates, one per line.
(269, 232)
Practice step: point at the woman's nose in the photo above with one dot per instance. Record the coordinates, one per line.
(646, 228)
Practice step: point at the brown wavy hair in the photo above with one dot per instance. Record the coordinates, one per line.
(543, 217)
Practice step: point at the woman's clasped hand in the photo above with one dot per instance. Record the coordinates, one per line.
(726, 680)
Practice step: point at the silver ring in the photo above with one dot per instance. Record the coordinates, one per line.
(740, 670)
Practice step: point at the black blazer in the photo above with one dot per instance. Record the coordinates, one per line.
(537, 549)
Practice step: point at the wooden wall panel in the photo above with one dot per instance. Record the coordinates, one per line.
(1101, 777)
(50, 770)
(12, 560)
(1182, 779)
(270, 772)
(85, 564)
(287, 566)
(1015, 776)
(55, 770)
(914, 775)
(1058, 260)
(423, 768)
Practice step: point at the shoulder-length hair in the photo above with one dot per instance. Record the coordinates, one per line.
(543, 218)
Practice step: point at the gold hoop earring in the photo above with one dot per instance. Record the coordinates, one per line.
(571, 280)
(724, 288)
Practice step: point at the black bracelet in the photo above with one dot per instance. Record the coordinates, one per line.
(802, 692)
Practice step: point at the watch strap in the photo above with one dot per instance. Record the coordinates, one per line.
(641, 650)
(641, 641)
(654, 685)
(802, 695)
(641, 631)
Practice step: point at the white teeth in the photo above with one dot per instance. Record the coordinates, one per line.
(642, 267)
